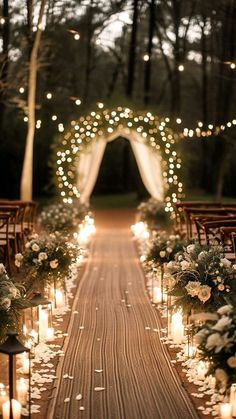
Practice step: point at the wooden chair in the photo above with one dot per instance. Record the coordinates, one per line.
(5, 240)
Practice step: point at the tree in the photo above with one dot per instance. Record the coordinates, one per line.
(27, 171)
(5, 60)
(132, 51)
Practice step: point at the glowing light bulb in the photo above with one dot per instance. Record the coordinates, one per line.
(21, 90)
(2, 21)
(78, 102)
(181, 67)
(77, 36)
(232, 66)
(178, 120)
(146, 57)
(49, 95)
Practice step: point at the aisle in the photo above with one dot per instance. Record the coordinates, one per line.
(113, 353)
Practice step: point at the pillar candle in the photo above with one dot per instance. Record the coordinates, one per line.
(233, 399)
(16, 409)
(225, 411)
(156, 297)
(177, 328)
(21, 389)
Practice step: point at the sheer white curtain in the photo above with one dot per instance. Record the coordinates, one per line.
(148, 161)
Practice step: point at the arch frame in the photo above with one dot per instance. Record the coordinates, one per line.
(105, 125)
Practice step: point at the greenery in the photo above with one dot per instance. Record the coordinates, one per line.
(204, 278)
(163, 248)
(46, 259)
(153, 213)
(217, 344)
(62, 217)
(12, 300)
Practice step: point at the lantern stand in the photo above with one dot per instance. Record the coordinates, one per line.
(13, 347)
(38, 301)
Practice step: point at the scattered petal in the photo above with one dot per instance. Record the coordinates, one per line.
(99, 388)
(78, 397)
(67, 400)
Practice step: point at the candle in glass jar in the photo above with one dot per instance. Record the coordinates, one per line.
(50, 334)
(177, 328)
(3, 395)
(21, 389)
(43, 324)
(225, 411)
(233, 399)
(59, 299)
(16, 409)
(156, 297)
(26, 364)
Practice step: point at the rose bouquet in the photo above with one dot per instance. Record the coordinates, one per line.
(46, 259)
(152, 212)
(11, 301)
(204, 279)
(163, 248)
(217, 344)
(62, 217)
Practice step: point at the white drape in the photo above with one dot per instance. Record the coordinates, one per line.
(148, 161)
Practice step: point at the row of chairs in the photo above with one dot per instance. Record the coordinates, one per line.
(211, 223)
(17, 222)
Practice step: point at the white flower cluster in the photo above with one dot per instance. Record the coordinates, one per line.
(8, 291)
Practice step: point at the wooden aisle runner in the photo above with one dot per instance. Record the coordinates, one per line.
(116, 359)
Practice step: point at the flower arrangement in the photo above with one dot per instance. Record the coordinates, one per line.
(152, 212)
(163, 248)
(11, 301)
(203, 278)
(62, 217)
(47, 258)
(217, 344)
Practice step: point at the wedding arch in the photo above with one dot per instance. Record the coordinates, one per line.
(80, 150)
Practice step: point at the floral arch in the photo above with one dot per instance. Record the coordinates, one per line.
(79, 153)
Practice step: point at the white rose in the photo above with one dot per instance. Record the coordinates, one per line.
(2, 269)
(224, 310)
(184, 265)
(190, 248)
(202, 255)
(225, 262)
(172, 237)
(200, 336)
(169, 249)
(222, 323)
(5, 303)
(214, 341)
(204, 293)
(193, 288)
(231, 361)
(35, 247)
(27, 245)
(162, 253)
(42, 256)
(19, 257)
(14, 292)
(17, 263)
(54, 264)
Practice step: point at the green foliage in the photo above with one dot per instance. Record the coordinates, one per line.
(217, 344)
(12, 300)
(163, 248)
(204, 279)
(62, 217)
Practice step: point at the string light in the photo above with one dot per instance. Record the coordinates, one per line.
(77, 36)
(21, 90)
(181, 67)
(2, 21)
(146, 57)
(49, 95)
(78, 102)
(155, 132)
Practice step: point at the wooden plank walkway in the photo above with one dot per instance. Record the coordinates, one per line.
(110, 344)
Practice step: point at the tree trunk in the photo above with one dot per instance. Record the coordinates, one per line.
(176, 96)
(132, 51)
(5, 60)
(27, 171)
(88, 53)
(147, 73)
